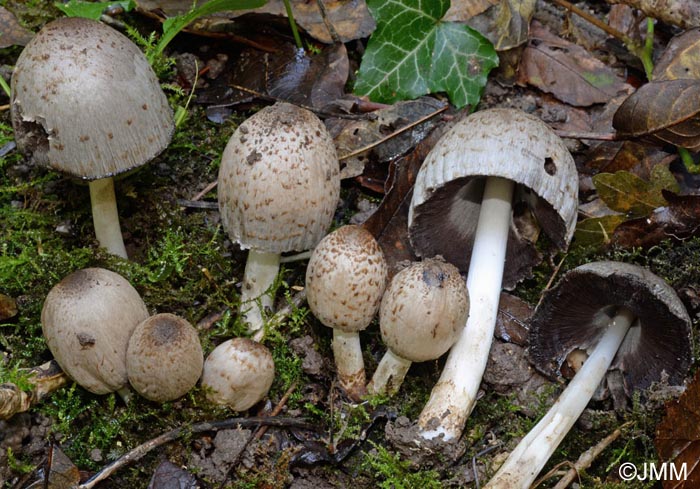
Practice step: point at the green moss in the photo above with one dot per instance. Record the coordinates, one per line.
(391, 472)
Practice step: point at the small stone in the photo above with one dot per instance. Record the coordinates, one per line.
(96, 455)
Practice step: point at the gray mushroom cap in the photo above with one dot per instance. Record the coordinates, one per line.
(503, 143)
(87, 320)
(345, 279)
(574, 314)
(164, 359)
(86, 102)
(279, 181)
(424, 309)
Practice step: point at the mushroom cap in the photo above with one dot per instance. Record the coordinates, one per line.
(86, 102)
(279, 181)
(87, 320)
(574, 314)
(238, 373)
(345, 279)
(424, 309)
(504, 143)
(164, 359)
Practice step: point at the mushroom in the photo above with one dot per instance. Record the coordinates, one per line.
(86, 102)
(477, 193)
(345, 280)
(87, 320)
(627, 320)
(238, 373)
(421, 315)
(164, 358)
(278, 186)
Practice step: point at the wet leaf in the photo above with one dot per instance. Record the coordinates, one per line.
(678, 436)
(11, 31)
(414, 52)
(596, 230)
(681, 58)
(91, 10)
(567, 71)
(8, 307)
(625, 192)
(170, 476)
(665, 111)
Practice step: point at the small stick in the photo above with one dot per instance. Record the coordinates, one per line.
(278, 409)
(597, 136)
(551, 279)
(329, 25)
(595, 21)
(204, 192)
(4, 107)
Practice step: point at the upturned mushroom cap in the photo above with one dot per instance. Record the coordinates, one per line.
(86, 102)
(279, 181)
(575, 313)
(424, 309)
(238, 373)
(87, 320)
(164, 359)
(503, 143)
(345, 279)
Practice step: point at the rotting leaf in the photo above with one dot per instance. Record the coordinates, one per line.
(596, 230)
(681, 58)
(666, 111)
(12, 33)
(414, 52)
(8, 307)
(463, 10)
(625, 192)
(678, 436)
(567, 71)
(512, 319)
(168, 475)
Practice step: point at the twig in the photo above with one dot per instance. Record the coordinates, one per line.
(393, 134)
(204, 192)
(595, 21)
(329, 25)
(278, 409)
(597, 136)
(4, 107)
(551, 279)
(141, 450)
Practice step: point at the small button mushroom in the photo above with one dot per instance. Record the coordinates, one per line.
(278, 188)
(483, 184)
(238, 373)
(86, 102)
(164, 359)
(345, 280)
(87, 320)
(627, 320)
(423, 311)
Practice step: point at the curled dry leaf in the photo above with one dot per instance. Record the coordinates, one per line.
(678, 436)
(661, 112)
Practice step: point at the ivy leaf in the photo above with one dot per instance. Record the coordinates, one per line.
(413, 52)
(597, 231)
(91, 10)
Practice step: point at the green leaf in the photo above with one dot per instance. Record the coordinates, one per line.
(597, 230)
(91, 10)
(413, 52)
(625, 192)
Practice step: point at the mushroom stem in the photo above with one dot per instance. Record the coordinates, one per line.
(105, 216)
(347, 353)
(260, 272)
(533, 451)
(389, 375)
(453, 397)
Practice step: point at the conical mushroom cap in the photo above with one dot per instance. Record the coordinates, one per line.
(86, 102)
(504, 143)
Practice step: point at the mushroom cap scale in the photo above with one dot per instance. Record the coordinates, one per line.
(87, 320)
(86, 102)
(238, 373)
(503, 143)
(424, 309)
(574, 314)
(164, 359)
(279, 181)
(345, 279)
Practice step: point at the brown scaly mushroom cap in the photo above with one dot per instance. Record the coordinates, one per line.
(238, 373)
(87, 320)
(575, 313)
(279, 181)
(504, 143)
(164, 359)
(86, 102)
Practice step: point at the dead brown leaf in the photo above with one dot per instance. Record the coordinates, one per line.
(683, 13)
(512, 319)
(567, 71)
(463, 10)
(681, 58)
(12, 33)
(8, 307)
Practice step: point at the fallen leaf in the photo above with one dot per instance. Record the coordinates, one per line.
(665, 111)
(12, 33)
(170, 476)
(681, 58)
(682, 13)
(8, 307)
(414, 52)
(596, 231)
(463, 10)
(512, 319)
(567, 71)
(625, 192)
(678, 436)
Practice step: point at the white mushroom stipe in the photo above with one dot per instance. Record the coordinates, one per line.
(261, 269)
(390, 373)
(453, 397)
(105, 216)
(347, 353)
(533, 451)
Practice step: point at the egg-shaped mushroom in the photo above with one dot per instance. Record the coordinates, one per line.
(164, 359)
